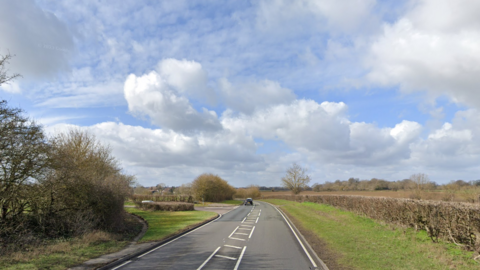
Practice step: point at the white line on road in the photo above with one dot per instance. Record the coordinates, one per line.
(233, 232)
(244, 219)
(121, 265)
(208, 259)
(244, 229)
(232, 246)
(257, 220)
(247, 226)
(226, 257)
(237, 239)
(240, 258)
(241, 233)
(253, 229)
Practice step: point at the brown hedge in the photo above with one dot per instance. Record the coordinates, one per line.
(450, 221)
(162, 198)
(166, 206)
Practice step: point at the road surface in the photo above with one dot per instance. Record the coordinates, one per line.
(248, 237)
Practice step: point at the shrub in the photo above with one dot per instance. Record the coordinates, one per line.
(212, 188)
(166, 206)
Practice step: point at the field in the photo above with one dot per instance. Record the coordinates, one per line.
(427, 195)
(348, 241)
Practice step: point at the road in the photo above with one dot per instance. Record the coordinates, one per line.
(248, 237)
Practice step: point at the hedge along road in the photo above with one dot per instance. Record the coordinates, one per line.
(248, 237)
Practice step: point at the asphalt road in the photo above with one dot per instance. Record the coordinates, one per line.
(248, 237)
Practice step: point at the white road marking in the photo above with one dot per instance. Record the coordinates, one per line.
(257, 220)
(244, 219)
(237, 239)
(226, 257)
(121, 265)
(244, 229)
(247, 226)
(241, 233)
(233, 232)
(298, 239)
(208, 259)
(240, 258)
(179, 237)
(253, 229)
(232, 246)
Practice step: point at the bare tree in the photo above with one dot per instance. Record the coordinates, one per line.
(4, 77)
(296, 178)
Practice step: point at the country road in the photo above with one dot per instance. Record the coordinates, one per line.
(248, 237)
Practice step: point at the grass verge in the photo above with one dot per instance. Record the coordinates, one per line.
(162, 224)
(64, 253)
(362, 243)
(234, 202)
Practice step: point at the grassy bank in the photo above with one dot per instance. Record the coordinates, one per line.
(362, 243)
(162, 224)
(67, 252)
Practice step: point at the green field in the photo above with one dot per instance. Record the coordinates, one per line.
(362, 243)
(162, 224)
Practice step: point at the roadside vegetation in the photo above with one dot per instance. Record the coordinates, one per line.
(162, 224)
(361, 243)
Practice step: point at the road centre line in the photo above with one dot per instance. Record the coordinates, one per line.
(241, 233)
(244, 229)
(208, 259)
(233, 232)
(246, 225)
(226, 257)
(240, 258)
(250, 236)
(257, 220)
(244, 219)
(232, 246)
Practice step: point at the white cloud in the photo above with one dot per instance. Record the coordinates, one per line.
(156, 95)
(248, 97)
(41, 43)
(434, 48)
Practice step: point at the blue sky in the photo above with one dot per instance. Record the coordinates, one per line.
(243, 89)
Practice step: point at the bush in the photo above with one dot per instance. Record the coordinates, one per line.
(454, 222)
(166, 206)
(250, 192)
(212, 188)
(162, 198)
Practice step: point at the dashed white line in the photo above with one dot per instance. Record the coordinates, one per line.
(208, 259)
(226, 257)
(253, 229)
(257, 220)
(121, 265)
(240, 258)
(244, 219)
(232, 246)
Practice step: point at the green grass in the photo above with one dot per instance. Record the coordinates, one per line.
(129, 203)
(363, 243)
(162, 224)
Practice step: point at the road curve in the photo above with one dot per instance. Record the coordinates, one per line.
(248, 237)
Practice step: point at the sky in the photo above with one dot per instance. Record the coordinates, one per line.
(244, 89)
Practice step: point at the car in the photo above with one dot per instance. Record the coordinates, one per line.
(248, 201)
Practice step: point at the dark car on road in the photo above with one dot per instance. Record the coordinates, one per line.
(248, 201)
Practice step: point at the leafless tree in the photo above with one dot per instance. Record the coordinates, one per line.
(4, 77)
(296, 178)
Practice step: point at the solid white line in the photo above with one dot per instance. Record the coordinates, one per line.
(226, 257)
(240, 258)
(298, 239)
(233, 232)
(250, 236)
(241, 233)
(236, 239)
(257, 220)
(232, 246)
(121, 265)
(179, 237)
(208, 259)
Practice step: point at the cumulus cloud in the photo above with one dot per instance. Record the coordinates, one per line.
(41, 42)
(159, 96)
(435, 47)
(248, 97)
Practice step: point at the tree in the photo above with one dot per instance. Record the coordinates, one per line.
(296, 178)
(212, 188)
(4, 77)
